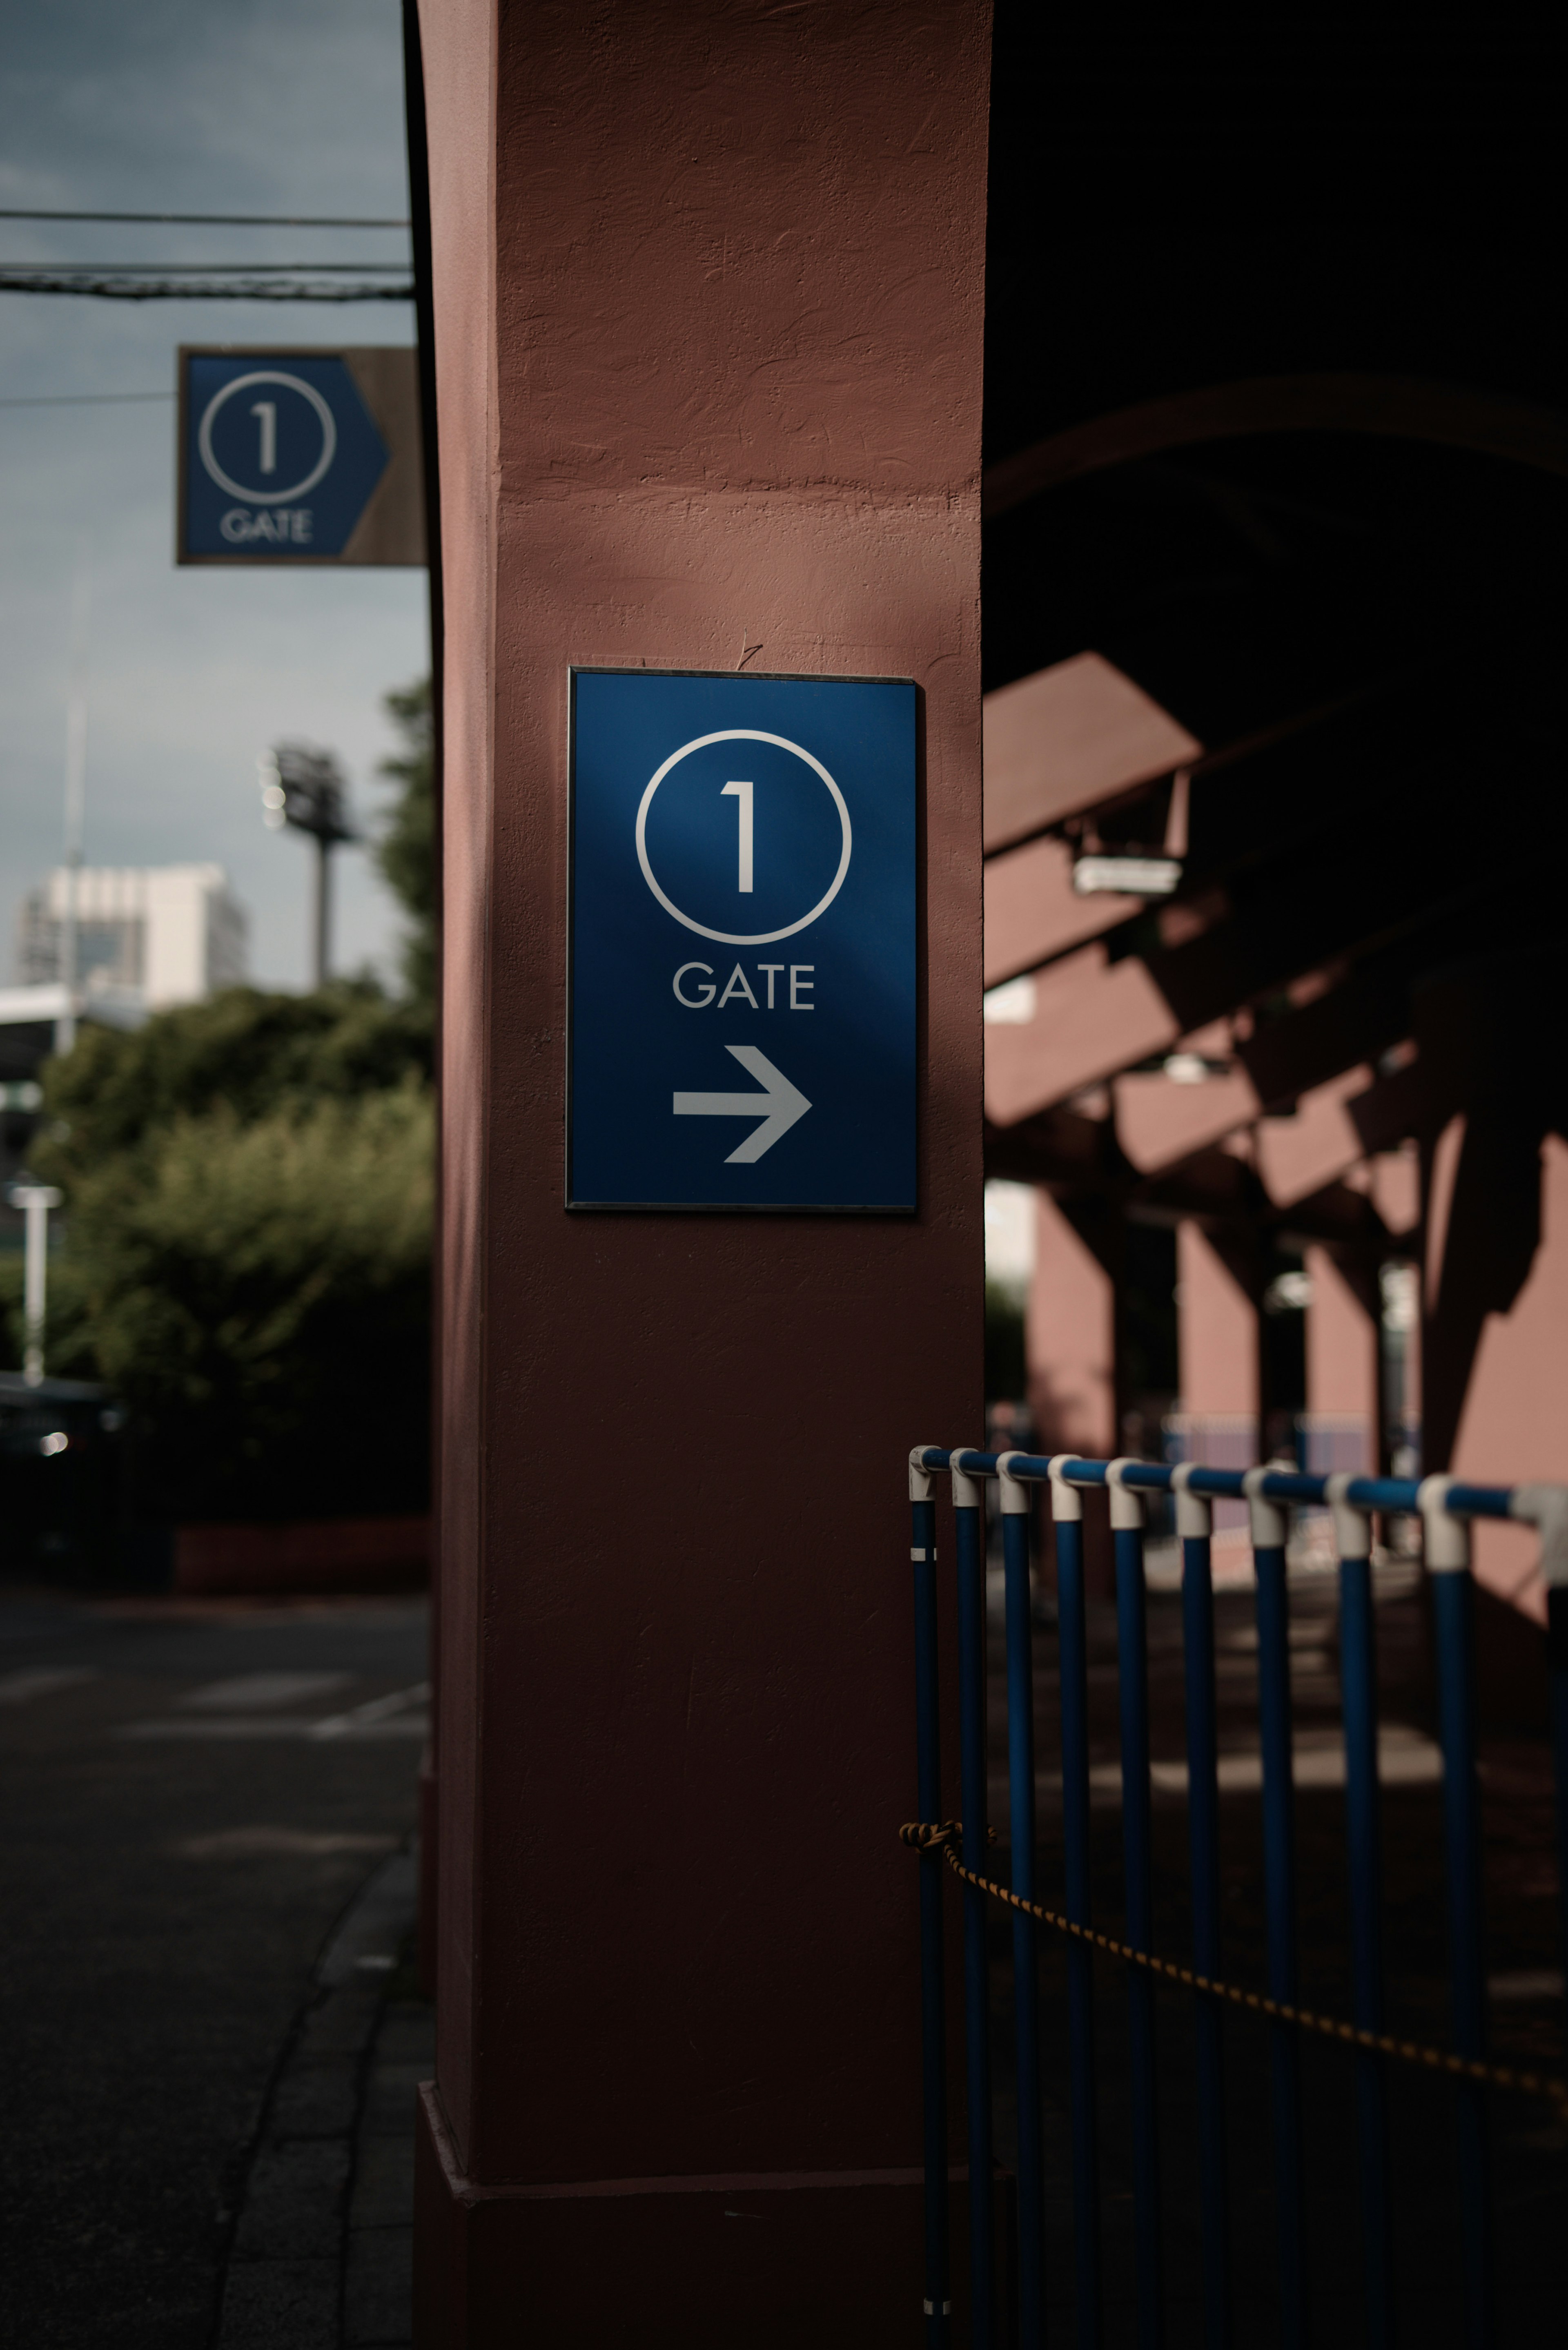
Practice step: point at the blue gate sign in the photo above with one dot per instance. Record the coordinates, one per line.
(279, 455)
(742, 941)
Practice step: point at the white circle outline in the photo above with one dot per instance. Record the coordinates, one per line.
(267, 497)
(738, 937)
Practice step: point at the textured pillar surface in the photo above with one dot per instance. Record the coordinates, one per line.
(709, 294)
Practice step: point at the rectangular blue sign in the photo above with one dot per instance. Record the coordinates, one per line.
(743, 990)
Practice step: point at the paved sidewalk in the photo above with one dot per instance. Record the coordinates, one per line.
(321, 2255)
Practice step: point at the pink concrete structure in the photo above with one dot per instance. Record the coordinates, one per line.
(1067, 738)
(1219, 1328)
(709, 289)
(1516, 1403)
(1091, 1018)
(1033, 913)
(1343, 1355)
(1298, 1155)
(1070, 1340)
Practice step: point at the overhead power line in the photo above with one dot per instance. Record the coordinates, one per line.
(123, 286)
(212, 220)
(78, 399)
(210, 269)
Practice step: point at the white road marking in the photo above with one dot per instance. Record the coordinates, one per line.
(20, 1689)
(242, 1843)
(260, 1692)
(402, 1713)
(228, 1728)
(376, 1713)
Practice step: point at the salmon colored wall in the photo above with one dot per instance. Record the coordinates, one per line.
(1070, 1339)
(1217, 1329)
(1342, 1348)
(1513, 1427)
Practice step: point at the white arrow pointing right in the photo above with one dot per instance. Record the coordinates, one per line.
(783, 1102)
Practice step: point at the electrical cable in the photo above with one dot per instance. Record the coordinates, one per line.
(210, 220)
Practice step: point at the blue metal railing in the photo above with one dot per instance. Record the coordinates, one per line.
(1443, 1505)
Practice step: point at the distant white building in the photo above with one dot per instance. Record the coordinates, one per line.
(147, 936)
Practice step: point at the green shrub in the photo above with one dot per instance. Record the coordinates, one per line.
(249, 1188)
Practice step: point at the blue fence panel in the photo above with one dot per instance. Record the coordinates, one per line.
(1265, 1494)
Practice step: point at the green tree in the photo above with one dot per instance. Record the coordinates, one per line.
(248, 1201)
(406, 849)
(249, 1050)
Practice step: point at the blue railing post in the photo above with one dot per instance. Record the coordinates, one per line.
(1358, 1707)
(1137, 1861)
(1268, 1532)
(1447, 1552)
(1071, 1636)
(1194, 1525)
(933, 1985)
(1025, 1974)
(969, 1546)
(1445, 1506)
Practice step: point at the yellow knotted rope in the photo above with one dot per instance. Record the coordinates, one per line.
(942, 1835)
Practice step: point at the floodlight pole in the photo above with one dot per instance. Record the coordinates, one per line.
(323, 906)
(34, 1200)
(303, 788)
(75, 798)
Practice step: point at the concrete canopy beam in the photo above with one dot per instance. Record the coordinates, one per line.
(1033, 913)
(1068, 737)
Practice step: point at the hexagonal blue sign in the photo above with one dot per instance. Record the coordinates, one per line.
(279, 456)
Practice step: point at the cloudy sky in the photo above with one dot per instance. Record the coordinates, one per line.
(211, 105)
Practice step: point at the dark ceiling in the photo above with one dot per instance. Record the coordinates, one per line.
(1170, 211)
(1368, 629)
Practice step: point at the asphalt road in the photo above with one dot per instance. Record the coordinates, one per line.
(189, 1795)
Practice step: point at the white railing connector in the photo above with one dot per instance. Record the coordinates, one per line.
(1447, 1542)
(1546, 1508)
(1194, 1511)
(1014, 1492)
(1126, 1504)
(1066, 1501)
(1352, 1523)
(965, 1485)
(919, 1475)
(1270, 1526)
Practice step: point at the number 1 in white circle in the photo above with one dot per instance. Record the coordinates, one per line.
(742, 794)
(267, 411)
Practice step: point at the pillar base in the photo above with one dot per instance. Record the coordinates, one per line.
(778, 2258)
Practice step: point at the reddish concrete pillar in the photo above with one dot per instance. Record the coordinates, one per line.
(1513, 1425)
(708, 304)
(1070, 1340)
(1343, 1366)
(1217, 1331)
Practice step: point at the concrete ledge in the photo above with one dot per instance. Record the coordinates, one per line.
(772, 2260)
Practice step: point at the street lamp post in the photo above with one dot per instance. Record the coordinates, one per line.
(34, 1200)
(305, 788)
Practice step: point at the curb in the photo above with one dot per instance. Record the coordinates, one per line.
(319, 2254)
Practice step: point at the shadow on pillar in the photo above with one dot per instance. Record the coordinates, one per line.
(1495, 1087)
